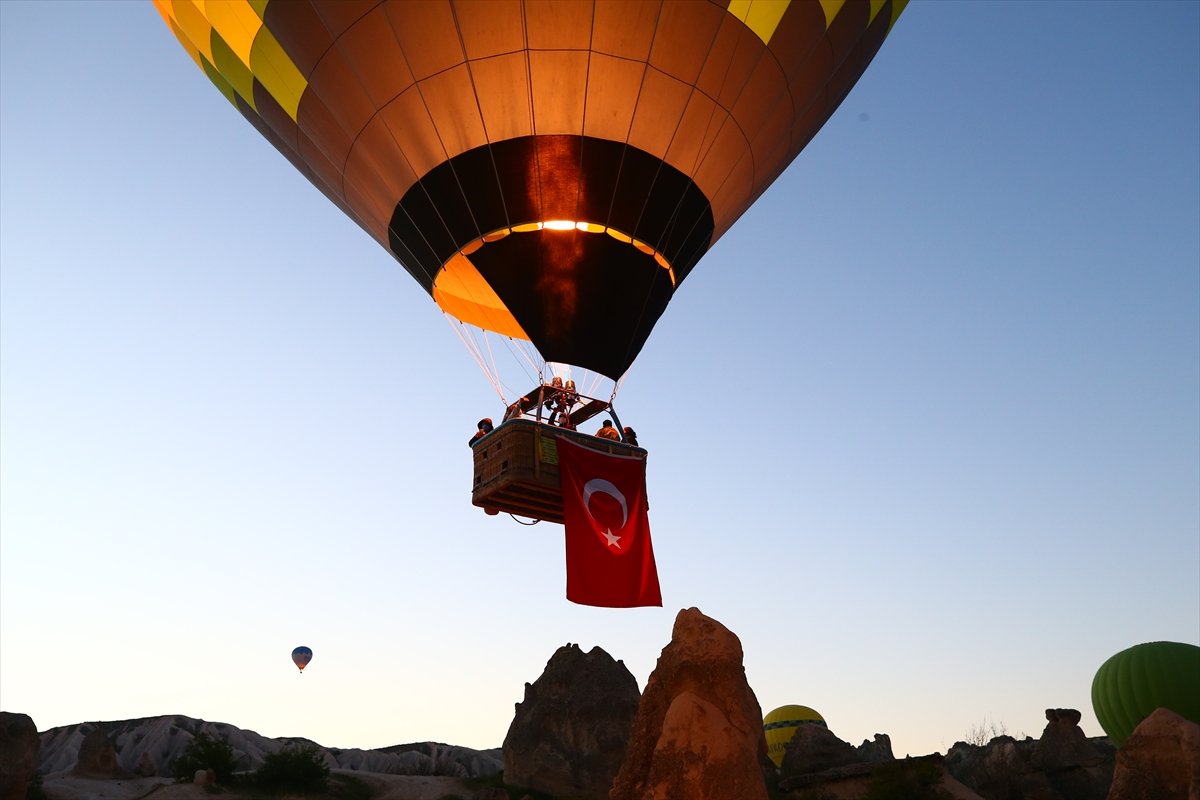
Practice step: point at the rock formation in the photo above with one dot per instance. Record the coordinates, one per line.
(816, 763)
(422, 758)
(923, 778)
(1063, 765)
(19, 745)
(98, 757)
(1159, 761)
(150, 746)
(146, 767)
(815, 748)
(698, 731)
(1063, 743)
(1077, 769)
(569, 734)
(877, 751)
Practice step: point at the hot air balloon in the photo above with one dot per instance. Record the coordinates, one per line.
(781, 724)
(549, 171)
(301, 656)
(1133, 683)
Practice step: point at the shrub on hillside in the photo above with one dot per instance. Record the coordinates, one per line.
(205, 752)
(903, 780)
(35, 790)
(299, 768)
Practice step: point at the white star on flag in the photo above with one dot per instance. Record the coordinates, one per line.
(613, 541)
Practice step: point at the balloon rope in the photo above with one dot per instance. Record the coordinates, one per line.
(479, 344)
(495, 369)
(516, 353)
(513, 353)
(473, 350)
(535, 365)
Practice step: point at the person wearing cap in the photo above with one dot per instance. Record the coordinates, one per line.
(484, 427)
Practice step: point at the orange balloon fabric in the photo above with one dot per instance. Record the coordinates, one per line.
(545, 169)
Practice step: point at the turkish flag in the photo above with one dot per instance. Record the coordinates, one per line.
(610, 561)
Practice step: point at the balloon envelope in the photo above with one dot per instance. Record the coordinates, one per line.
(548, 170)
(781, 724)
(301, 656)
(1133, 683)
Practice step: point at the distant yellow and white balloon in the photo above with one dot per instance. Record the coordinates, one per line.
(781, 725)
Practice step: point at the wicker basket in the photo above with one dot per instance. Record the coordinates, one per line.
(516, 468)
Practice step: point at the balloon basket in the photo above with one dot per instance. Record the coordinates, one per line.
(516, 468)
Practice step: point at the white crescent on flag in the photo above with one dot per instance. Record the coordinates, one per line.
(605, 487)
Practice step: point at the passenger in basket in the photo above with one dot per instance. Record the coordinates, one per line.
(566, 401)
(553, 398)
(607, 431)
(483, 429)
(514, 411)
(630, 436)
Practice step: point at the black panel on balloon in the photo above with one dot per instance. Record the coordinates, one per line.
(584, 298)
(537, 179)
(587, 299)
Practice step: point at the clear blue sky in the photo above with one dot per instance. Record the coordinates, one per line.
(924, 426)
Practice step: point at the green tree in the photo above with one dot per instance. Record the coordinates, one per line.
(35, 790)
(902, 780)
(297, 768)
(205, 752)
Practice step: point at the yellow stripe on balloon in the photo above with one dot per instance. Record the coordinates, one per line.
(760, 16)
(277, 72)
(831, 8)
(164, 9)
(194, 24)
(764, 16)
(218, 80)
(167, 9)
(229, 36)
(231, 67)
(237, 23)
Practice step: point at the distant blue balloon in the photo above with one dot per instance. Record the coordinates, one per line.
(301, 656)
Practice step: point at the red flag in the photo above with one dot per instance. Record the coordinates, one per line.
(610, 561)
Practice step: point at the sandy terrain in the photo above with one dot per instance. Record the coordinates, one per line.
(384, 787)
(411, 787)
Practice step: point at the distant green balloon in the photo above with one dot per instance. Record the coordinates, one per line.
(1133, 683)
